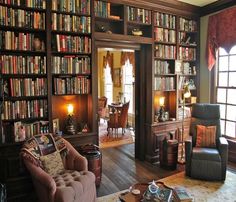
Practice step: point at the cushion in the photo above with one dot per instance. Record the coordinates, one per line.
(52, 163)
(206, 136)
(207, 154)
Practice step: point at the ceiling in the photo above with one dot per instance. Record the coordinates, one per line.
(198, 2)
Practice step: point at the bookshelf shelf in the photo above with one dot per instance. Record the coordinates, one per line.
(21, 29)
(163, 27)
(25, 98)
(165, 43)
(70, 94)
(71, 13)
(138, 23)
(71, 75)
(71, 33)
(33, 119)
(23, 7)
(24, 75)
(70, 53)
(108, 19)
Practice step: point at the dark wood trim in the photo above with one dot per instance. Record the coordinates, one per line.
(216, 6)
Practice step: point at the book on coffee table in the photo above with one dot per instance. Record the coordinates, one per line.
(182, 195)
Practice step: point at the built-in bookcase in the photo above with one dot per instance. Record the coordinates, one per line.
(23, 68)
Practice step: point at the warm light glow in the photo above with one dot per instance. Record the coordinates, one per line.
(70, 109)
(161, 101)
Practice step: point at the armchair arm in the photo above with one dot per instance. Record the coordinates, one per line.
(42, 179)
(188, 155)
(223, 149)
(74, 160)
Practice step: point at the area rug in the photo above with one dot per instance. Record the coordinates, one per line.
(113, 140)
(201, 191)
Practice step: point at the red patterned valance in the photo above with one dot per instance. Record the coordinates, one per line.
(221, 33)
(108, 60)
(128, 56)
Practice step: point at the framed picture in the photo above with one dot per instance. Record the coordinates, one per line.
(55, 125)
(178, 66)
(117, 77)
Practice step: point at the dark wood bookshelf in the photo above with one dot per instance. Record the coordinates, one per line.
(70, 13)
(138, 23)
(165, 43)
(30, 120)
(16, 98)
(23, 52)
(24, 75)
(70, 33)
(65, 75)
(23, 7)
(70, 94)
(108, 19)
(21, 29)
(61, 53)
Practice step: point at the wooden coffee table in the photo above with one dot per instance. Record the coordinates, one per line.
(130, 197)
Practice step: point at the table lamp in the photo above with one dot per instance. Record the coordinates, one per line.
(161, 117)
(186, 94)
(70, 120)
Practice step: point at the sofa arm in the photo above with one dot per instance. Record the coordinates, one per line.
(41, 177)
(223, 149)
(188, 156)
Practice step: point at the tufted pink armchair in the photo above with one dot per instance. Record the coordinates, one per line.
(75, 184)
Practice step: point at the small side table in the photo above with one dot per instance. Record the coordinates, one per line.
(168, 154)
(94, 157)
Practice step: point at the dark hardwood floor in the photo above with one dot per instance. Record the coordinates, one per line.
(120, 170)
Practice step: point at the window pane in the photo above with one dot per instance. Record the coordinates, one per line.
(222, 126)
(221, 95)
(223, 63)
(223, 79)
(222, 51)
(232, 79)
(233, 50)
(230, 128)
(231, 112)
(231, 96)
(222, 111)
(232, 62)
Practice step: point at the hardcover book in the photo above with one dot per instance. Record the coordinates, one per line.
(182, 194)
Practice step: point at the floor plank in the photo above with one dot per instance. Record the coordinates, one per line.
(120, 170)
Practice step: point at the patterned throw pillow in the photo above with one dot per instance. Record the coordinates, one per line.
(206, 136)
(52, 163)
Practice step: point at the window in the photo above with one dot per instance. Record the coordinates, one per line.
(226, 90)
(128, 86)
(108, 85)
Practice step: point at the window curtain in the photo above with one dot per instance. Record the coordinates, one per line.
(221, 33)
(128, 56)
(108, 60)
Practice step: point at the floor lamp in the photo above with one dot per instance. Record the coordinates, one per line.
(186, 94)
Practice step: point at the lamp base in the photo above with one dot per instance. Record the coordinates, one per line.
(70, 129)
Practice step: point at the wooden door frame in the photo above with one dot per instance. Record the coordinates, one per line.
(140, 89)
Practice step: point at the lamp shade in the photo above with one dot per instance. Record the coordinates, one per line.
(161, 101)
(70, 109)
(187, 93)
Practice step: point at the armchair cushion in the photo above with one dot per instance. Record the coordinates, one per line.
(52, 163)
(208, 154)
(206, 136)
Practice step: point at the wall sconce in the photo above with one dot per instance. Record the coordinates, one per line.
(70, 120)
(161, 117)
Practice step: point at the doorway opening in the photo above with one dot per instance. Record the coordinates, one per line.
(116, 96)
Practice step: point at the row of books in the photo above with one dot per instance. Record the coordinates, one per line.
(164, 83)
(17, 41)
(21, 18)
(187, 25)
(26, 87)
(161, 67)
(102, 9)
(24, 109)
(74, 6)
(164, 20)
(11, 64)
(71, 23)
(164, 35)
(186, 53)
(73, 85)
(75, 44)
(139, 15)
(165, 51)
(29, 129)
(26, 3)
(71, 65)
